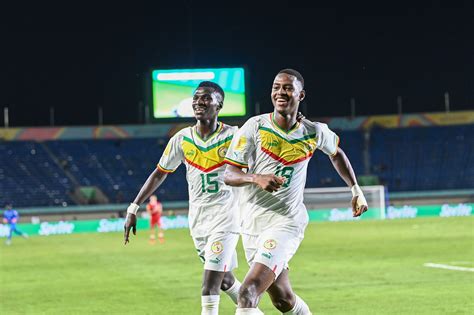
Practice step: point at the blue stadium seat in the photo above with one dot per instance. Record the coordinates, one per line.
(45, 173)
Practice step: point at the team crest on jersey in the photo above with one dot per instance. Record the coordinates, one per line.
(217, 247)
(270, 244)
(222, 151)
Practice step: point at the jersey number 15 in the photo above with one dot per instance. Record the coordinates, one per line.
(209, 185)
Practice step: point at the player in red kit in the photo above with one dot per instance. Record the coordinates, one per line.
(154, 209)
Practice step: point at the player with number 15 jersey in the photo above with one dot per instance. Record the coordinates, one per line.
(212, 204)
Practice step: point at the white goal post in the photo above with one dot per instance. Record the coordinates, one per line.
(332, 198)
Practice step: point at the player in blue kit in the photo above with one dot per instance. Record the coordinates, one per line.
(11, 217)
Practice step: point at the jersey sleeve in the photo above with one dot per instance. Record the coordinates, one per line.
(242, 145)
(172, 156)
(326, 139)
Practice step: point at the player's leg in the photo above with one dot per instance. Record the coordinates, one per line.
(161, 232)
(283, 297)
(215, 280)
(152, 230)
(251, 288)
(258, 279)
(10, 234)
(231, 286)
(270, 253)
(210, 298)
(18, 232)
(220, 259)
(209, 303)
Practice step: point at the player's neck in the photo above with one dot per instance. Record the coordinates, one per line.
(285, 122)
(206, 128)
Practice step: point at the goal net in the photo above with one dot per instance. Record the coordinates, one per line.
(334, 203)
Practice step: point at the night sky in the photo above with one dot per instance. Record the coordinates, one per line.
(76, 59)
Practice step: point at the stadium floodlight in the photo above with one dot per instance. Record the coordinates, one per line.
(339, 199)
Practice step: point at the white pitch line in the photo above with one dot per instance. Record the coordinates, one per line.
(461, 262)
(449, 267)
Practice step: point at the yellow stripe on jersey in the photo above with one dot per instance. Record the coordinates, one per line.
(235, 163)
(205, 159)
(284, 150)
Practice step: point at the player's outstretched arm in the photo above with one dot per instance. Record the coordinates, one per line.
(152, 183)
(234, 176)
(343, 166)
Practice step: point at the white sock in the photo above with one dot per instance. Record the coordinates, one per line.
(300, 308)
(210, 304)
(248, 311)
(233, 291)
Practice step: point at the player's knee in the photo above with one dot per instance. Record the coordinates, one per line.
(210, 289)
(227, 282)
(284, 302)
(248, 296)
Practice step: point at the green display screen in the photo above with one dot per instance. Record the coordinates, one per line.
(172, 91)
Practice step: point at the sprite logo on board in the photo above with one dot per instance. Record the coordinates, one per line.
(61, 227)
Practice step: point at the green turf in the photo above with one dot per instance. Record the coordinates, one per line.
(366, 267)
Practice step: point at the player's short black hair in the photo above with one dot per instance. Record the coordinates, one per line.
(214, 86)
(294, 73)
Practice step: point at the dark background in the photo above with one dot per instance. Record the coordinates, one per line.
(76, 58)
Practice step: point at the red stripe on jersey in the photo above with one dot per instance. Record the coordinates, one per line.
(205, 170)
(283, 161)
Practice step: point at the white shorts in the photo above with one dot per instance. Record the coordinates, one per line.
(217, 251)
(272, 248)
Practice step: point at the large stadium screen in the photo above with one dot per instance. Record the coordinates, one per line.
(172, 91)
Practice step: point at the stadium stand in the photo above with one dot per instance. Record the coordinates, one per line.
(405, 159)
(428, 158)
(29, 176)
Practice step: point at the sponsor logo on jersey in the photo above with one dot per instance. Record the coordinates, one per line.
(216, 260)
(270, 244)
(190, 153)
(217, 247)
(267, 255)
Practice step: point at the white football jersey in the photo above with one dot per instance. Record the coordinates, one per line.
(264, 148)
(213, 206)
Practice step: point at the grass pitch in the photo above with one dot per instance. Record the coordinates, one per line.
(366, 267)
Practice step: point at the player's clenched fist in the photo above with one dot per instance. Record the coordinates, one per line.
(130, 224)
(359, 204)
(269, 182)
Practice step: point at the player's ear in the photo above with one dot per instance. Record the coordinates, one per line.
(302, 95)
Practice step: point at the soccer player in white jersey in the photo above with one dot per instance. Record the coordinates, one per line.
(275, 149)
(213, 218)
